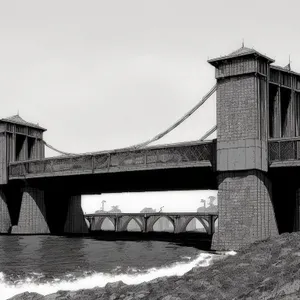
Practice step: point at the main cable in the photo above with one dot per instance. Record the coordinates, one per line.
(158, 136)
(208, 133)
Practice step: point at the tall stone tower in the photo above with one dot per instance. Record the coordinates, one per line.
(19, 140)
(244, 189)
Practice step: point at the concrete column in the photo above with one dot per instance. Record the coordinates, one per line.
(32, 217)
(145, 223)
(75, 221)
(5, 221)
(178, 222)
(246, 210)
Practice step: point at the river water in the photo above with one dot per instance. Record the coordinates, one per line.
(46, 264)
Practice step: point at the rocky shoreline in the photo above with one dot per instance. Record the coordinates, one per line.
(265, 270)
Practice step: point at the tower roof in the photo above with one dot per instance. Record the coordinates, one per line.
(16, 119)
(243, 51)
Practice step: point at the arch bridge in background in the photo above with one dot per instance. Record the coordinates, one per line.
(147, 221)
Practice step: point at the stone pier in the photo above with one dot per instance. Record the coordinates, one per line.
(245, 206)
(32, 217)
(5, 222)
(75, 221)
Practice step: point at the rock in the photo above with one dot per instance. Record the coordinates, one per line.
(170, 297)
(113, 297)
(27, 296)
(112, 286)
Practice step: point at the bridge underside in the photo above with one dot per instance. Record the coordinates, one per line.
(285, 195)
(53, 204)
(138, 181)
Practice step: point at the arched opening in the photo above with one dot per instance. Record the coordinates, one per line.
(195, 226)
(133, 225)
(87, 222)
(216, 223)
(107, 225)
(163, 224)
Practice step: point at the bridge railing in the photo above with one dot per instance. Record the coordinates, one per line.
(161, 214)
(197, 153)
(283, 149)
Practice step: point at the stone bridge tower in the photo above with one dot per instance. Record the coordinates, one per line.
(25, 207)
(244, 189)
(19, 141)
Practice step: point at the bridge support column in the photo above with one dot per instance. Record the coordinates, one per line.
(179, 223)
(75, 221)
(5, 222)
(32, 217)
(145, 223)
(246, 211)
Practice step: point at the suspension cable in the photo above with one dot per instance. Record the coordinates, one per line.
(158, 136)
(181, 120)
(52, 148)
(208, 133)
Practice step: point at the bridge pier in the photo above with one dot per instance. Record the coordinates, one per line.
(246, 211)
(75, 221)
(32, 216)
(5, 221)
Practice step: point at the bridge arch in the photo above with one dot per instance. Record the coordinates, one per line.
(125, 220)
(100, 220)
(153, 220)
(202, 220)
(136, 221)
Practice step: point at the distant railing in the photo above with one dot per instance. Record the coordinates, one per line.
(197, 153)
(283, 149)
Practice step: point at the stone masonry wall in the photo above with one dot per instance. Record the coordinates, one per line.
(237, 113)
(246, 209)
(5, 222)
(32, 218)
(75, 221)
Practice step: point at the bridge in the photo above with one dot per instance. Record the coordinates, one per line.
(253, 163)
(146, 221)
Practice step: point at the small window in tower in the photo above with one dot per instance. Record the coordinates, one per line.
(20, 149)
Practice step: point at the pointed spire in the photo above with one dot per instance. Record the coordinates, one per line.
(288, 66)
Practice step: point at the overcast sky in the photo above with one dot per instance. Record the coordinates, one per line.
(107, 74)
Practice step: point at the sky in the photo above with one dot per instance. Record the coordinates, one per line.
(106, 74)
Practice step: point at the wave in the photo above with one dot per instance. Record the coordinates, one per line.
(89, 280)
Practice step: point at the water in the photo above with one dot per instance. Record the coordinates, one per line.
(46, 264)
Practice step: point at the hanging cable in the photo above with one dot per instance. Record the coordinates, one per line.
(181, 120)
(208, 133)
(54, 149)
(155, 138)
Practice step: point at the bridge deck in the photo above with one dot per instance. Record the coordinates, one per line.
(183, 155)
(283, 152)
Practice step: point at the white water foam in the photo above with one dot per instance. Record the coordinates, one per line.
(9, 289)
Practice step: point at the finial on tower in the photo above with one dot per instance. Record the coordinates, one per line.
(243, 43)
(18, 113)
(288, 67)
